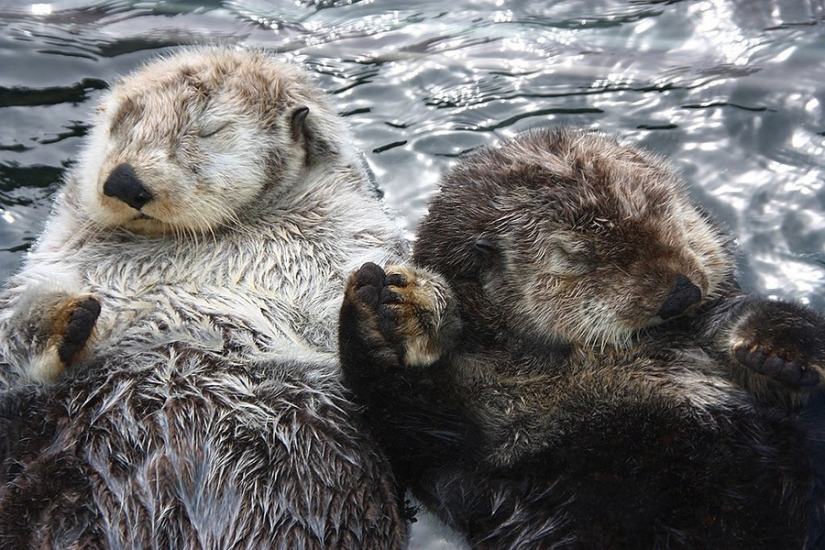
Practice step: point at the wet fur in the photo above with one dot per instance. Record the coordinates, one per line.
(170, 371)
(555, 407)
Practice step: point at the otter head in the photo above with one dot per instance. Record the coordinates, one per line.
(568, 236)
(201, 140)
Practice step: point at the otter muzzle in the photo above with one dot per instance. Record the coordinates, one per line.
(682, 295)
(124, 185)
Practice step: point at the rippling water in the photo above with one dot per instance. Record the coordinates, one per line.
(733, 92)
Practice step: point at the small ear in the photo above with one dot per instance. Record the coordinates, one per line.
(299, 117)
(485, 247)
(486, 254)
(306, 131)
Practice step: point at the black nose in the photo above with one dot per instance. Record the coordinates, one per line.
(682, 295)
(124, 184)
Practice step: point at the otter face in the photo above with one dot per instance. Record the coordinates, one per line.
(575, 238)
(197, 141)
(598, 277)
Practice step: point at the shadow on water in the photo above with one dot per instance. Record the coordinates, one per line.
(733, 92)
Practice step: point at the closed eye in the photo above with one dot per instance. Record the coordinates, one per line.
(567, 253)
(210, 131)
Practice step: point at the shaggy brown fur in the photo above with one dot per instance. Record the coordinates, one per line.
(571, 365)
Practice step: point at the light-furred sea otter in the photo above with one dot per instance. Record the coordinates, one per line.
(570, 363)
(169, 348)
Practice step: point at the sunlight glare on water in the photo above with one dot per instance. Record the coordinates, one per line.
(41, 9)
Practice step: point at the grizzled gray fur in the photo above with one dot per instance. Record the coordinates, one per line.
(170, 374)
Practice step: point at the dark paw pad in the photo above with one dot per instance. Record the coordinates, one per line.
(364, 286)
(82, 316)
(369, 274)
(368, 295)
(374, 289)
(387, 321)
(786, 371)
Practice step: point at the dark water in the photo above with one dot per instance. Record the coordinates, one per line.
(733, 92)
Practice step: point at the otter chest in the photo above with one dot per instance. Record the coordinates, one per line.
(267, 291)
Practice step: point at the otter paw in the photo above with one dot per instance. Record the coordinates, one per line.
(75, 320)
(412, 309)
(781, 368)
(784, 342)
(425, 313)
(50, 330)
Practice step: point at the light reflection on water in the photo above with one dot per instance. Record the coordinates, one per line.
(732, 91)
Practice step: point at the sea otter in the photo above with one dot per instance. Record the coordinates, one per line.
(169, 347)
(569, 363)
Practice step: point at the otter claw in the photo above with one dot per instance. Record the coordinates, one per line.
(782, 370)
(396, 279)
